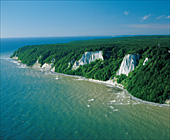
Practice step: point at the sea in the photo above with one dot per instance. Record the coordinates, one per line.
(40, 105)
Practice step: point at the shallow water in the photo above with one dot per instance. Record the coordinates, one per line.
(40, 105)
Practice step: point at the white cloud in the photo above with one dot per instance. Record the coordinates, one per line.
(126, 13)
(150, 26)
(145, 17)
(160, 17)
(168, 16)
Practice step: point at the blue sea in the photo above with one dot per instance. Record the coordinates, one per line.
(36, 104)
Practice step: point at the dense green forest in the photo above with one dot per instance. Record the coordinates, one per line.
(150, 82)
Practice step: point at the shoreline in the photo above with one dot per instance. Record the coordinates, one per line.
(107, 83)
(113, 84)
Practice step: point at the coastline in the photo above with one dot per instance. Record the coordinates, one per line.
(113, 84)
(108, 83)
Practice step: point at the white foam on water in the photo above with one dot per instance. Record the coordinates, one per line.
(56, 78)
(16, 62)
(119, 104)
(47, 72)
(79, 79)
(90, 100)
(5, 58)
(119, 93)
(115, 110)
(23, 66)
(136, 103)
(127, 133)
(113, 101)
(111, 107)
(109, 85)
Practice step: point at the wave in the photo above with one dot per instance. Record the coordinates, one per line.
(90, 100)
(22, 66)
(115, 110)
(88, 105)
(111, 107)
(113, 101)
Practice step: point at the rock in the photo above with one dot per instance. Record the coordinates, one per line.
(128, 64)
(87, 58)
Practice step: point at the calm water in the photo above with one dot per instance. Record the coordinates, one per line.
(40, 105)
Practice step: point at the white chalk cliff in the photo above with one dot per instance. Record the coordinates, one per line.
(128, 64)
(50, 66)
(87, 58)
(45, 66)
(36, 65)
(146, 60)
(53, 69)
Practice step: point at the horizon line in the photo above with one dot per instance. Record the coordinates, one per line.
(85, 36)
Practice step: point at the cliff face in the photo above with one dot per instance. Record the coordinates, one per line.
(50, 67)
(146, 60)
(87, 58)
(36, 65)
(128, 64)
(45, 66)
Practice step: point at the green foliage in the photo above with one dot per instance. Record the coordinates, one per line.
(150, 82)
(120, 78)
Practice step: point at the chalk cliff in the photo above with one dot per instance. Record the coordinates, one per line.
(45, 66)
(128, 64)
(146, 60)
(36, 65)
(87, 58)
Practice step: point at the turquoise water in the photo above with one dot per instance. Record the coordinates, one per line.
(41, 105)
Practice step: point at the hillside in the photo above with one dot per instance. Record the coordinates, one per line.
(149, 80)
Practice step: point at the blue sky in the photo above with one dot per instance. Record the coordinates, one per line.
(84, 18)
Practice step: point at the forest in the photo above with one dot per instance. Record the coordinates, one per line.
(150, 82)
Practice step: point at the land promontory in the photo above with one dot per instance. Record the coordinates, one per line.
(140, 63)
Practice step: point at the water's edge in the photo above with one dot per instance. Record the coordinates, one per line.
(108, 83)
(113, 85)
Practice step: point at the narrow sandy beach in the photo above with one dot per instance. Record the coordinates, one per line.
(113, 84)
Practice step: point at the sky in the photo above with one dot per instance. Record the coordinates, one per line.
(84, 18)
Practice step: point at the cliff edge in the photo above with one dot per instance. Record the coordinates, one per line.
(128, 64)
